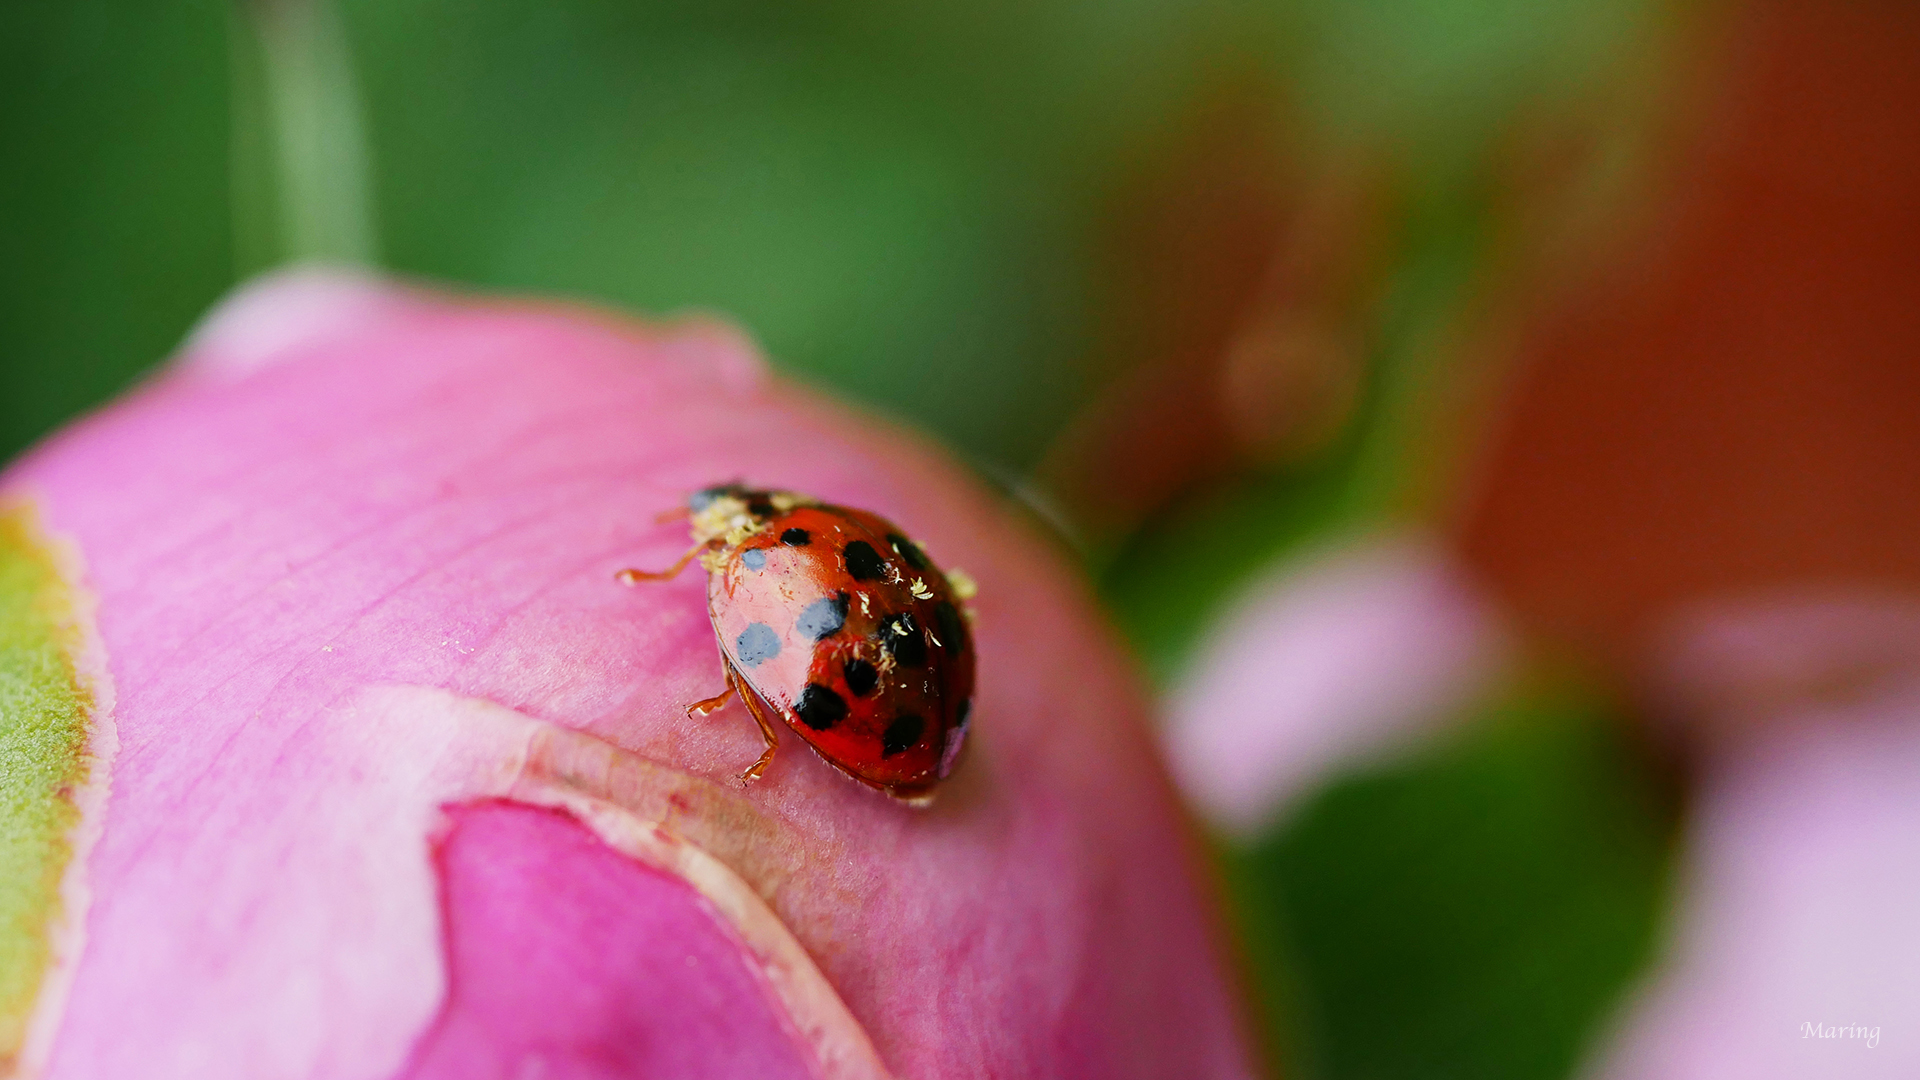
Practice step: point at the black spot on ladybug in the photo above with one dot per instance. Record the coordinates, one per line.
(862, 677)
(795, 538)
(864, 563)
(902, 735)
(820, 708)
(908, 551)
(960, 714)
(754, 559)
(901, 637)
(946, 621)
(756, 645)
(824, 617)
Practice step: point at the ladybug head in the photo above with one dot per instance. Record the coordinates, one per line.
(732, 512)
(705, 497)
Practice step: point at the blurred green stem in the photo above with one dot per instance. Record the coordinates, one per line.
(301, 186)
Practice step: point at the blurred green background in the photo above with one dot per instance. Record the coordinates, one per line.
(940, 210)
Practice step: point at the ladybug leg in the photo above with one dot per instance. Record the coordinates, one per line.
(634, 577)
(766, 729)
(701, 708)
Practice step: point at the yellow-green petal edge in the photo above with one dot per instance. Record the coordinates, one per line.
(46, 709)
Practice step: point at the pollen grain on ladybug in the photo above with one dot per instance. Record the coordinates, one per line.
(832, 619)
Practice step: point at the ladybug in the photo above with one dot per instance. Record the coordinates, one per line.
(831, 618)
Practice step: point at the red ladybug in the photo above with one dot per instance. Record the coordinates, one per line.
(833, 619)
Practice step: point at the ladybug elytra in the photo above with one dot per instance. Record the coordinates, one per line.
(831, 618)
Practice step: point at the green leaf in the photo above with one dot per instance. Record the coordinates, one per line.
(1474, 913)
(114, 180)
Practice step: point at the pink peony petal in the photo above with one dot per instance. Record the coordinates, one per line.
(1795, 952)
(354, 572)
(1328, 661)
(283, 314)
(568, 960)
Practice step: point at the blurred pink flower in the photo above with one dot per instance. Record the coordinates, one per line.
(405, 788)
(1795, 951)
(1346, 656)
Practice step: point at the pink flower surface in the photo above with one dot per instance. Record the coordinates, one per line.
(1795, 951)
(405, 788)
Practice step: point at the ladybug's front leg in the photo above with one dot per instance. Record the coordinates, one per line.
(766, 728)
(706, 705)
(634, 577)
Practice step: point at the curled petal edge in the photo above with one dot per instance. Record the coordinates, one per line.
(660, 816)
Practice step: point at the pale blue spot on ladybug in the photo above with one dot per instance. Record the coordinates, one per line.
(756, 645)
(824, 617)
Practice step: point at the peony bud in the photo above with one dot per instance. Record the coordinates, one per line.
(404, 785)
